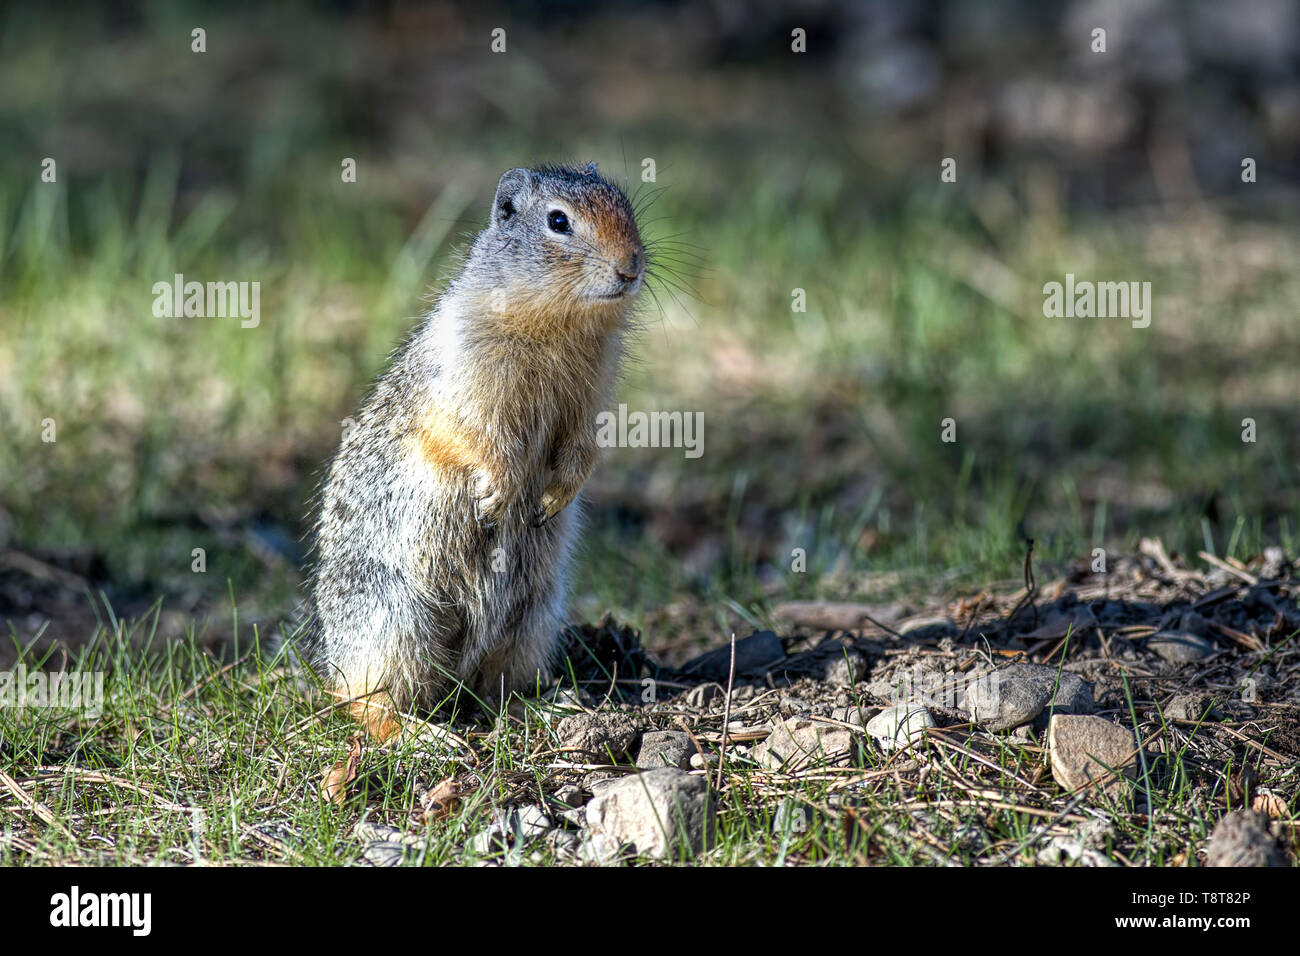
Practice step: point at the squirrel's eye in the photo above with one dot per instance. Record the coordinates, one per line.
(558, 221)
(507, 209)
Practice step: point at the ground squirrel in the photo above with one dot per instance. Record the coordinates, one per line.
(447, 516)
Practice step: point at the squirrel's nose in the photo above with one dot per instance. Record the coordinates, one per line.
(629, 271)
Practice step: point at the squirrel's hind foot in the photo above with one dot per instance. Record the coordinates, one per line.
(377, 717)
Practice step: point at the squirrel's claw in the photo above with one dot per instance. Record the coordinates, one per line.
(482, 516)
(552, 503)
(488, 509)
(489, 502)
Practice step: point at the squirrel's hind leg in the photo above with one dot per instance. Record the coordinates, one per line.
(364, 695)
(381, 674)
(523, 648)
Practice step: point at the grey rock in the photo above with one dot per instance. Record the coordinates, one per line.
(377, 832)
(852, 714)
(1020, 693)
(570, 795)
(1189, 707)
(598, 785)
(752, 654)
(1243, 838)
(485, 841)
(665, 748)
(1062, 849)
(490, 839)
(530, 821)
(385, 845)
(1073, 695)
(598, 738)
(599, 849)
(576, 817)
(383, 853)
(509, 827)
(846, 668)
(1088, 751)
(564, 843)
(902, 725)
(1178, 647)
(999, 701)
(664, 813)
(798, 742)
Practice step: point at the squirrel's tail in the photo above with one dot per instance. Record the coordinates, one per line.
(294, 642)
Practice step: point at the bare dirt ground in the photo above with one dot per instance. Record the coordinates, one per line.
(1101, 719)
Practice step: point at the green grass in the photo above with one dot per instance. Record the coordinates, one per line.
(195, 759)
(822, 429)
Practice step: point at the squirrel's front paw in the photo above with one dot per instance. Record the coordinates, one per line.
(489, 502)
(554, 500)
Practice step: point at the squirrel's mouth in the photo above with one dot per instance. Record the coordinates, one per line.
(626, 290)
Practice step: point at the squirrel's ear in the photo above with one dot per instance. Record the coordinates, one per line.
(511, 193)
(590, 168)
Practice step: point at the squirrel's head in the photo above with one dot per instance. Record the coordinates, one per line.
(563, 240)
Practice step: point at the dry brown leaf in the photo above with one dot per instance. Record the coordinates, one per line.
(440, 801)
(1271, 805)
(334, 786)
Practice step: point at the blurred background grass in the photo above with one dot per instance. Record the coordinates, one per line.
(778, 171)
